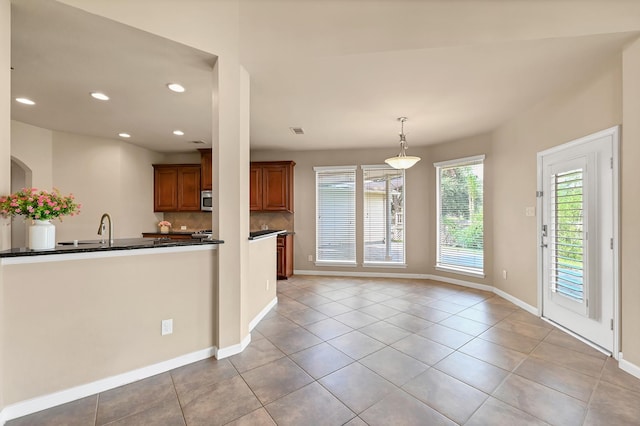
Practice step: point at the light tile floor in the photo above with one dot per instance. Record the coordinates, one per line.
(358, 351)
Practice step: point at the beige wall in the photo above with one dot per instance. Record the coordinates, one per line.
(574, 113)
(106, 176)
(630, 242)
(33, 146)
(94, 318)
(5, 149)
(5, 116)
(261, 285)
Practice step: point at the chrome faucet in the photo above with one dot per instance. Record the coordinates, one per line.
(101, 228)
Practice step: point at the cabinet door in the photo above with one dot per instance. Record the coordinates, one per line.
(275, 187)
(165, 193)
(189, 188)
(206, 169)
(288, 255)
(282, 267)
(255, 188)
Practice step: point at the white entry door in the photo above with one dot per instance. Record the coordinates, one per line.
(577, 236)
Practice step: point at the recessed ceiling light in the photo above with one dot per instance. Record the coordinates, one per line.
(99, 96)
(175, 87)
(178, 132)
(25, 101)
(124, 135)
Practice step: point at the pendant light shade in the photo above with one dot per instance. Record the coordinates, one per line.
(402, 160)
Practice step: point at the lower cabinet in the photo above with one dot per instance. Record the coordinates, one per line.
(285, 256)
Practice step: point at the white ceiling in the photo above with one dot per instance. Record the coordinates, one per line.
(342, 70)
(60, 54)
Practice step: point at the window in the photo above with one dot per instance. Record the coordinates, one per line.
(336, 215)
(460, 216)
(383, 191)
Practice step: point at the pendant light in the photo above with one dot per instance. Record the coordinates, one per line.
(402, 161)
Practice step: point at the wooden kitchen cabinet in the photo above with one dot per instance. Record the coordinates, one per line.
(255, 188)
(285, 256)
(176, 187)
(206, 169)
(271, 186)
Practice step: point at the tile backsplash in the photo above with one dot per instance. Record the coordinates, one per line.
(274, 220)
(194, 221)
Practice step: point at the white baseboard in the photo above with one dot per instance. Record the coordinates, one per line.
(39, 403)
(361, 274)
(462, 283)
(527, 307)
(396, 275)
(262, 313)
(630, 368)
(234, 349)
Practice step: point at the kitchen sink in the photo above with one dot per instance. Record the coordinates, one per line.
(80, 243)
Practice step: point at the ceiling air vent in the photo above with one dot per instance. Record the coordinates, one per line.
(198, 142)
(297, 130)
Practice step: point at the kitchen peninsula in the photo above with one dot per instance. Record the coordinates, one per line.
(90, 315)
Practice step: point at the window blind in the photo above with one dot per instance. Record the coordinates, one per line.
(460, 215)
(336, 215)
(567, 234)
(384, 224)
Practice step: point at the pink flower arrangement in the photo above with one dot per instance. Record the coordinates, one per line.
(39, 205)
(165, 223)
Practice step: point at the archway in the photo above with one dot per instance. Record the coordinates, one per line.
(20, 178)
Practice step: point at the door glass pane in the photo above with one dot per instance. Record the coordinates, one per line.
(567, 234)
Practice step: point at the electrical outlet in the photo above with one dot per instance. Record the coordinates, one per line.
(310, 258)
(267, 284)
(183, 227)
(504, 274)
(167, 326)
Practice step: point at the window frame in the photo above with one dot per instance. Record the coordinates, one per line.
(457, 269)
(340, 263)
(384, 264)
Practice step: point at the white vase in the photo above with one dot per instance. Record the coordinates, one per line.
(42, 235)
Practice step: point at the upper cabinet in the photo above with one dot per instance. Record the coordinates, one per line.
(271, 186)
(176, 187)
(206, 169)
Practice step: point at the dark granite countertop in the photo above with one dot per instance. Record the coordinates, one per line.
(87, 246)
(172, 233)
(256, 235)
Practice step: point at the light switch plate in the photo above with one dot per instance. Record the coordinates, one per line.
(530, 211)
(167, 326)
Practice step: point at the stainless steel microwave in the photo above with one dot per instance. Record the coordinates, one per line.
(206, 201)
